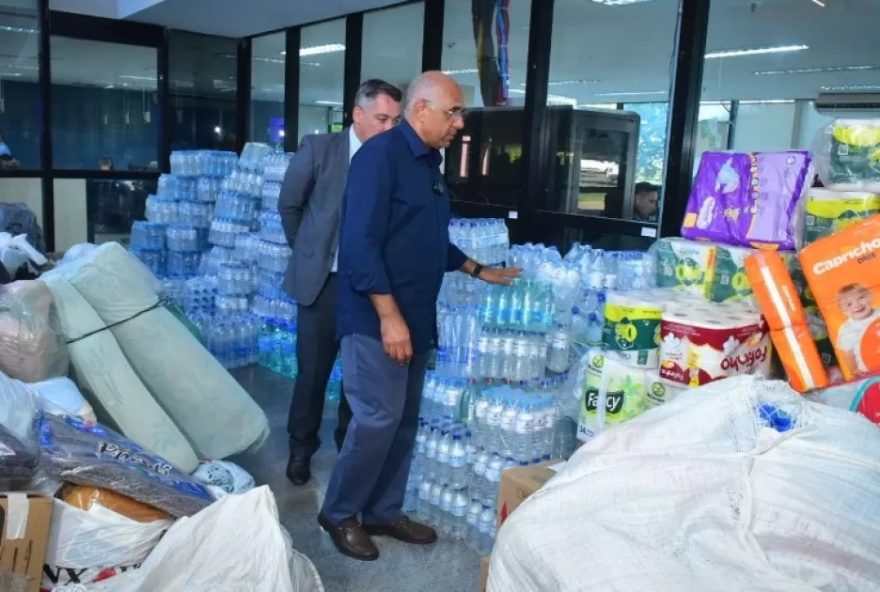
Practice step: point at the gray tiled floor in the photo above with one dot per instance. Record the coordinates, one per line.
(447, 566)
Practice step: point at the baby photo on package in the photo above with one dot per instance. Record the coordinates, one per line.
(843, 271)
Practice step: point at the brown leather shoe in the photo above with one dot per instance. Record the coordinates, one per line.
(404, 529)
(350, 538)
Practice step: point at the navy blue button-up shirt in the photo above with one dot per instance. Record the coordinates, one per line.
(394, 236)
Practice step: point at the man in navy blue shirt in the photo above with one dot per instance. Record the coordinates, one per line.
(394, 250)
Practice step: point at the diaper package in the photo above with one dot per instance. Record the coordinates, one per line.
(708, 342)
(848, 155)
(843, 272)
(827, 212)
(728, 279)
(684, 265)
(777, 297)
(748, 199)
(613, 393)
(631, 333)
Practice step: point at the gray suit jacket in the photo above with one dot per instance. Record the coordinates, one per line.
(310, 205)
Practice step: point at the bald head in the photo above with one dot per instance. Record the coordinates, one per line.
(435, 108)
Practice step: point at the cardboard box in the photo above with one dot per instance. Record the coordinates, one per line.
(24, 534)
(519, 483)
(484, 573)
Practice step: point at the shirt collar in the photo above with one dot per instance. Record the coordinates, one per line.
(415, 143)
(354, 143)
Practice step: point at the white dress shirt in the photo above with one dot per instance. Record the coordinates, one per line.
(354, 144)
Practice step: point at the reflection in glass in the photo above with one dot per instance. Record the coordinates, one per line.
(267, 89)
(104, 117)
(385, 60)
(202, 85)
(19, 89)
(322, 72)
(113, 205)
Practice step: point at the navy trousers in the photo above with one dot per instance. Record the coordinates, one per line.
(371, 472)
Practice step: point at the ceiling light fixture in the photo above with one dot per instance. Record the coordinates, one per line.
(321, 49)
(819, 3)
(816, 70)
(767, 102)
(329, 103)
(619, 2)
(850, 87)
(735, 53)
(133, 77)
(26, 30)
(632, 94)
(569, 82)
(460, 71)
(11, 74)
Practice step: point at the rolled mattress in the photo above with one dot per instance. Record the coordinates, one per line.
(212, 410)
(109, 382)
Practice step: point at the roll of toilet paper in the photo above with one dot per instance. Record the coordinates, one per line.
(684, 264)
(701, 344)
(660, 391)
(613, 393)
(631, 332)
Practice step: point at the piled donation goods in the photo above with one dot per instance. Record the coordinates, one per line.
(772, 278)
(113, 478)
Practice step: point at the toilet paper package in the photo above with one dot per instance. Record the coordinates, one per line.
(613, 393)
(660, 391)
(748, 199)
(701, 344)
(684, 265)
(728, 279)
(631, 331)
(848, 155)
(827, 212)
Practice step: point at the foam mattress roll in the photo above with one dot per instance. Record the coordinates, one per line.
(211, 409)
(631, 330)
(707, 343)
(613, 393)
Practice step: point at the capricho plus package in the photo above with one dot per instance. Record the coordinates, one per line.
(843, 271)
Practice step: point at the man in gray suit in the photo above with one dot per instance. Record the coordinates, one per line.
(310, 206)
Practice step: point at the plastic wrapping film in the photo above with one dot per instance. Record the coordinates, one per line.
(212, 410)
(19, 450)
(847, 155)
(17, 218)
(85, 497)
(96, 456)
(739, 485)
(32, 347)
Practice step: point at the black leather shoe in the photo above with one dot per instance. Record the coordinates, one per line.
(298, 471)
(350, 538)
(404, 529)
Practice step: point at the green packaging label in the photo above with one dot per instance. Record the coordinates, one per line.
(626, 396)
(729, 280)
(631, 328)
(827, 216)
(684, 265)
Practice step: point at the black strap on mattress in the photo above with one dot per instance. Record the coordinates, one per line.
(116, 324)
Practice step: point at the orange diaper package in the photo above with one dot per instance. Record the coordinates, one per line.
(776, 294)
(843, 271)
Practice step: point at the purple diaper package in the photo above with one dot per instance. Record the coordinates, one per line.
(748, 199)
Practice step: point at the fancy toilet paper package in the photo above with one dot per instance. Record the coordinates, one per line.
(661, 391)
(631, 332)
(748, 199)
(613, 393)
(704, 343)
(827, 212)
(848, 155)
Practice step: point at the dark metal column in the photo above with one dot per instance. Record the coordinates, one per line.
(45, 81)
(292, 42)
(354, 36)
(432, 35)
(693, 23)
(536, 149)
(243, 95)
(164, 91)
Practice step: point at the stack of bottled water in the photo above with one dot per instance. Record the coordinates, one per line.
(483, 239)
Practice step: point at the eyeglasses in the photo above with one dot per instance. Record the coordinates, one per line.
(455, 112)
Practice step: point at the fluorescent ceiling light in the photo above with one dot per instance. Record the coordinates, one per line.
(460, 71)
(632, 94)
(320, 49)
(619, 2)
(329, 103)
(12, 74)
(816, 70)
(8, 29)
(767, 102)
(133, 77)
(850, 87)
(735, 53)
(568, 82)
(819, 3)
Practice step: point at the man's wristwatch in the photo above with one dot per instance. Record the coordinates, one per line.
(477, 269)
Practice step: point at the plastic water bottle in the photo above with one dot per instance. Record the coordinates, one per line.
(472, 536)
(477, 484)
(444, 446)
(525, 430)
(457, 463)
(436, 494)
(487, 530)
(430, 466)
(423, 506)
(558, 349)
(447, 498)
(493, 478)
(493, 422)
(508, 425)
(459, 515)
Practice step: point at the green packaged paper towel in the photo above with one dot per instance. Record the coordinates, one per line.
(631, 330)
(728, 280)
(854, 157)
(613, 393)
(683, 264)
(829, 211)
